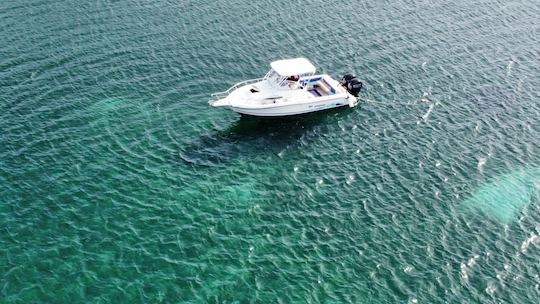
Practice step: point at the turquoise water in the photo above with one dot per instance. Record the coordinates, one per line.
(119, 184)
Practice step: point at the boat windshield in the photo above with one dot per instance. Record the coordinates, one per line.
(274, 78)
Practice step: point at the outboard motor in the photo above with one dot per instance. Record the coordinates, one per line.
(352, 84)
(348, 77)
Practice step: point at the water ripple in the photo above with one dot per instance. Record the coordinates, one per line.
(119, 183)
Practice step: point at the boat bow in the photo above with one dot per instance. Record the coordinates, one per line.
(223, 102)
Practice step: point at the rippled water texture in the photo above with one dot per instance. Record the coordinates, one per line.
(119, 184)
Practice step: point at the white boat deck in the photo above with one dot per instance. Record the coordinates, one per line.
(289, 88)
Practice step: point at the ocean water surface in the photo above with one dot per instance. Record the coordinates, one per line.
(119, 184)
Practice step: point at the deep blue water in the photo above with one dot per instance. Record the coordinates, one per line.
(119, 184)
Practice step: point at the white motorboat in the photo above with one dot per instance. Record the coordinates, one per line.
(290, 87)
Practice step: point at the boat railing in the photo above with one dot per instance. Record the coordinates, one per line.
(224, 94)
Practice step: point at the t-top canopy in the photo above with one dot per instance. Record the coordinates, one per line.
(296, 66)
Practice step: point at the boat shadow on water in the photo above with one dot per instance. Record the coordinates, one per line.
(254, 136)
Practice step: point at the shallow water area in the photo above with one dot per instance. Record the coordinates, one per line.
(120, 184)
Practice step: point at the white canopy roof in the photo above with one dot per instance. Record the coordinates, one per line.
(296, 66)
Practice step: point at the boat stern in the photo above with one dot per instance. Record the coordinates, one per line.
(353, 101)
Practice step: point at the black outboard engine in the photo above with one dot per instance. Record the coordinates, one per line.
(352, 84)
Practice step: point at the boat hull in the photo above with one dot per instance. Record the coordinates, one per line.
(296, 109)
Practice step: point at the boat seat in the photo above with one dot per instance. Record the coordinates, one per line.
(321, 91)
(327, 87)
(314, 92)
